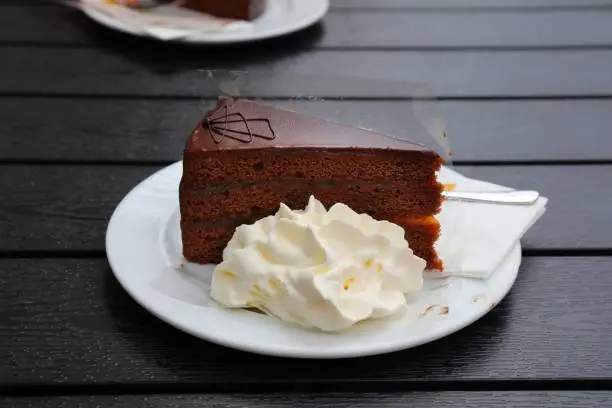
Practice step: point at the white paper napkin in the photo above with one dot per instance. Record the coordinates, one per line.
(166, 22)
(476, 237)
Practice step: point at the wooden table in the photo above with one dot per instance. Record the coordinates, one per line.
(85, 114)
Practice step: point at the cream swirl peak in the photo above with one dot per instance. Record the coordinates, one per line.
(318, 268)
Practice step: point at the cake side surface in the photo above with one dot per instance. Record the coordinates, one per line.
(308, 163)
(380, 200)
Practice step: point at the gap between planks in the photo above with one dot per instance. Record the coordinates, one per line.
(32, 390)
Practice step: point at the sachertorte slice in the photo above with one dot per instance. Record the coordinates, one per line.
(232, 9)
(245, 158)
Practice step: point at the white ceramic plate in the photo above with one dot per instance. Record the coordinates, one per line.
(281, 17)
(144, 250)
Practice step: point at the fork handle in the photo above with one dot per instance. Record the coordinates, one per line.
(518, 197)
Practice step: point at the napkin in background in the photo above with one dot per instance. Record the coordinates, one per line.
(476, 237)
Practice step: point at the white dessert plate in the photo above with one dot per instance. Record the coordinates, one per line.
(280, 17)
(144, 250)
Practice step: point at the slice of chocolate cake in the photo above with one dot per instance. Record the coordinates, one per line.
(233, 9)
(245, 158)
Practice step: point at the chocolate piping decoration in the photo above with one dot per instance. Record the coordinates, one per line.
(219, 130)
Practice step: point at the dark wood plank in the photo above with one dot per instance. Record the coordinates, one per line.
(43, 25)
(9, 3)
(446, 4)
(179, 72)
(66, 208)
(154, 130)
(487, 399)
(68, 322)
(463, 30)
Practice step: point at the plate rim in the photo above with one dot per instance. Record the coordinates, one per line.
(317, 10)
(289, 352)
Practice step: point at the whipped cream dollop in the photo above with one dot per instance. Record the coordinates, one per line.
(318, 268)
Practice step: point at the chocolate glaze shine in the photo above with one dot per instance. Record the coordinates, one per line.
(290, 130)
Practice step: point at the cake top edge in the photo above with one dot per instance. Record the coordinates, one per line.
(242, 124)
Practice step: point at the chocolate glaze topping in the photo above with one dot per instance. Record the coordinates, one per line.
(234, 126)
(242, 124)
